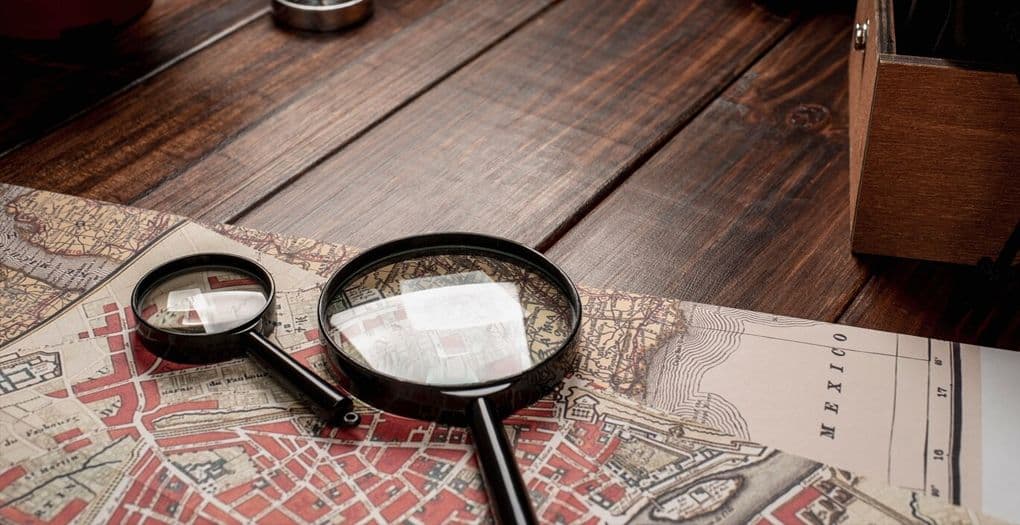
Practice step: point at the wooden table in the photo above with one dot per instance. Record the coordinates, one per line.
(692, 149)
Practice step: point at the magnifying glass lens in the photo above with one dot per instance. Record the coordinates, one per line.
(449, 318)
(203, 300)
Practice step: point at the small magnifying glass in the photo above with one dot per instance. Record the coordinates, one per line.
(458, 328)
(214, 307)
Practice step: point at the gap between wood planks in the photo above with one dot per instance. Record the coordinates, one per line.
(386, 115)
(629, 169)
(141, 79)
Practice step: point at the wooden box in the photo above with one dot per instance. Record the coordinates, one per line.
(934, 149)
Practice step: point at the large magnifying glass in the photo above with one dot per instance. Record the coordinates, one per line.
(458, 328)
(214, 307)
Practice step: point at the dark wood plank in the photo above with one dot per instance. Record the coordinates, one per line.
(937, 300)
(258, 106)
(49, 82)
(747, 206)
(268, 154)
(519, 141)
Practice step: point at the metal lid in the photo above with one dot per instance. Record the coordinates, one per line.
(321, 15)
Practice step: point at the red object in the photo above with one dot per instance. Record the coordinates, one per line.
(52, 19)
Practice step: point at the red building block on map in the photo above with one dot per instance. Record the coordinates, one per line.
(571, 500)
(567, 452)
(216, 283)
(787, 512)
(297, 468)
(354, 513)
(115, 343)
(370, 453)
(446, 454)
(282, 480)
(560, 513)
(128, 403)
(421, 483)
(612, 493)
(307, 505)
(367, 481)
(393, 459)
(358, 433)
(69, 512)
(567, 474)
(150, 492)
(121, 372)
(143, 462)
(234, 493)
(64, 436)
(385, 491)
(166, 504)
(143, 358)
(189, 507)
(318, 481)
(396, 429)
(270, 445)
(59, 394)
(252, 506)
(340, 494)
(441, 508)
(218, 517)
(304, 356)
(329, 472)
(117, 433)
(271, 492)
(424, 465)
(129, 317)
(404, 503)
(112, 326)
(81, 443)
(340, 449)
(10, 476)
(119, 516)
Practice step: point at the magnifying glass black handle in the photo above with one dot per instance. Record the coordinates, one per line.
(508, 496)
(327, 402)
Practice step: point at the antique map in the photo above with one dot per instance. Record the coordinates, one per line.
(661, 420)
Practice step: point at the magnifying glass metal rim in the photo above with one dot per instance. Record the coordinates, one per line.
(479, 406)
(161, 340)
(440, 243)
(310, 17)
(246, 339)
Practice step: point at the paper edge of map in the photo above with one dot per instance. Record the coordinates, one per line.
(85, 450)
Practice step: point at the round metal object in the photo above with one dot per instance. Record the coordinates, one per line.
(860, 35)
(444, 399)
(212, 307)
(459, 328)
(321, 15)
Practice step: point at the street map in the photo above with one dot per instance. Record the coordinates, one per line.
(675, 410)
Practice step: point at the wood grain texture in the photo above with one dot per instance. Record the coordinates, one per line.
(936, 300)
(521, 140)
(267, 154)
(939, 174)
(257, 107)
(747, 206)
(49, 82)
(863, 65)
